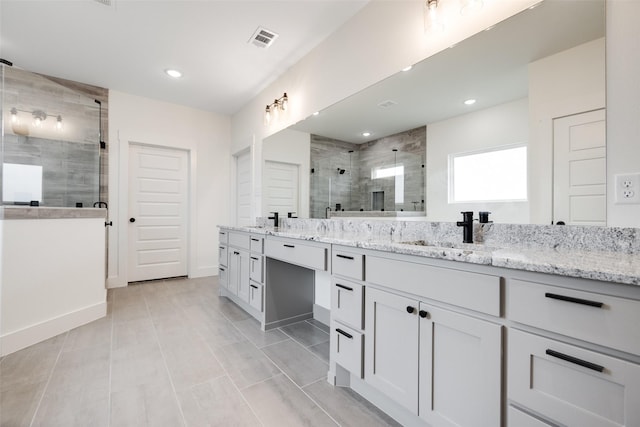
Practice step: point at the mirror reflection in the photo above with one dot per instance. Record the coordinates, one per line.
(535, 81)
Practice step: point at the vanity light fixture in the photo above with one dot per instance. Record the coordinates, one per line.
(173, 73)
(39, 117)
(273, 109)
(469, 102)
(432, 16)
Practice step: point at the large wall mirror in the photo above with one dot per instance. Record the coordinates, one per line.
(530, 149)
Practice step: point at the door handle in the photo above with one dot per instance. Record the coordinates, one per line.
(132, 220)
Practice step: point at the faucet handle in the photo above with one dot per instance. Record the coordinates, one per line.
(484, 217)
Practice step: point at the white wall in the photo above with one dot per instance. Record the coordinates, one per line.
(206, 136)
(291, 146)
(356, 56)
(567, 83)
(504, 124)
(623, 104)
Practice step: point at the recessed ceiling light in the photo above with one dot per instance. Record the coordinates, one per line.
(173, 73)
(407, 68)
(365, 134)
(469, 102)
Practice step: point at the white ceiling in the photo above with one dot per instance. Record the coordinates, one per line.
(127, 46)
(490, 67)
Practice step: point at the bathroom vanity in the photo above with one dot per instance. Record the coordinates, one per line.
(438, 333)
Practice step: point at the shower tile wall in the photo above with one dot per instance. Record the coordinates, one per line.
(354, 189)
(71, 162)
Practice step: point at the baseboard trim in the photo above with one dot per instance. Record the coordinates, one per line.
(17, 340)
(321, 314)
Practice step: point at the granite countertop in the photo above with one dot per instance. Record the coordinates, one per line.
(608, 266)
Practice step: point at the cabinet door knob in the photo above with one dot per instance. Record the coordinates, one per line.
(410, 309)
(424, 314)
(132, 220)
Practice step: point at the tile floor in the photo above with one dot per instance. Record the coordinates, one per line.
(173, 353)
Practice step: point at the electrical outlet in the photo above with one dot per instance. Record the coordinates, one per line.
(628, 188)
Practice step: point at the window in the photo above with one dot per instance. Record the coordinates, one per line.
(489, 176)
(393, 171)
(21, 183)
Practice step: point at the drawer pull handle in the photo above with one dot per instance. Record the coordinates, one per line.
(341, 332)
(423, 313)
(254, 258)
(236, 253)
(574, 300)
(254, 286)
(575, 360)
(289, 246)
(222, 247)
(344, 256)
(344, 287)
(410, 309)
(221, 269)
(255, 240)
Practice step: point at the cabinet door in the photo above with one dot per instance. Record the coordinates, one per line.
(243, 276)
(256, 264)
(460, 369)
(391, 346)
(233, 272)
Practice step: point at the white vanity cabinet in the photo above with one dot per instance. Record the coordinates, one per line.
(238, 264)
(256, 272)
(223, 259)
(441, 365)
(564, 383)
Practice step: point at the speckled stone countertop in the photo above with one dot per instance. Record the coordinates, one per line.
(598, 253)
(43, 212)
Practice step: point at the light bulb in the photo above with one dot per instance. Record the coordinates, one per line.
(285, 102)
(433, 21)
(14, 115)
(59, 123)
(267, 115)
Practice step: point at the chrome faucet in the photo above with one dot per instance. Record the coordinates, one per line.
(467, 226)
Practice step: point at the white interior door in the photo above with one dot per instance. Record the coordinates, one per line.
(158, 212)
(243, 189)
(281, 187)
(579, 169)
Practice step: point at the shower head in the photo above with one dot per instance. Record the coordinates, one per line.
(340, 171)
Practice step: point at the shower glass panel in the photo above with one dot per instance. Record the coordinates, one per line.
(50, 142)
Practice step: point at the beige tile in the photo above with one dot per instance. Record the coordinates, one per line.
(18, 404)
(216, 403)
(245, 364)
(251, 329)
(96, 333)
(220, 334)
(137, 365)
(347, 407)
(189, 359)
(85, 406)
(297, 362)
(146, 405)
(133, 333)
(305, 333)
(231, 311)
(129, 312)
(30, 365)
(278, 402)
(81, 371)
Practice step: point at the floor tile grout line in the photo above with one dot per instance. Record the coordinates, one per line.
(44, 391)
(164, 361)
(303, 346)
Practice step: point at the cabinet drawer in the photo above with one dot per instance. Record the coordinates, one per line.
(239, 240)
(475, 291)
(347, 264)
(222, 254)
(587, 316)
(223, 278)
(223, 236)
(257, 243)
(305, 255)
(517, 418)
(571, 385)
(346, 346)
(256, 268)
(347, 302)
(255, 295)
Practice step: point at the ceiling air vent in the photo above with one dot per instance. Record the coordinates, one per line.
(262, 37)
(388, 103)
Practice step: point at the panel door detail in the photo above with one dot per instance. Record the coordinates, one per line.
(391, 346)
(460, 369)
